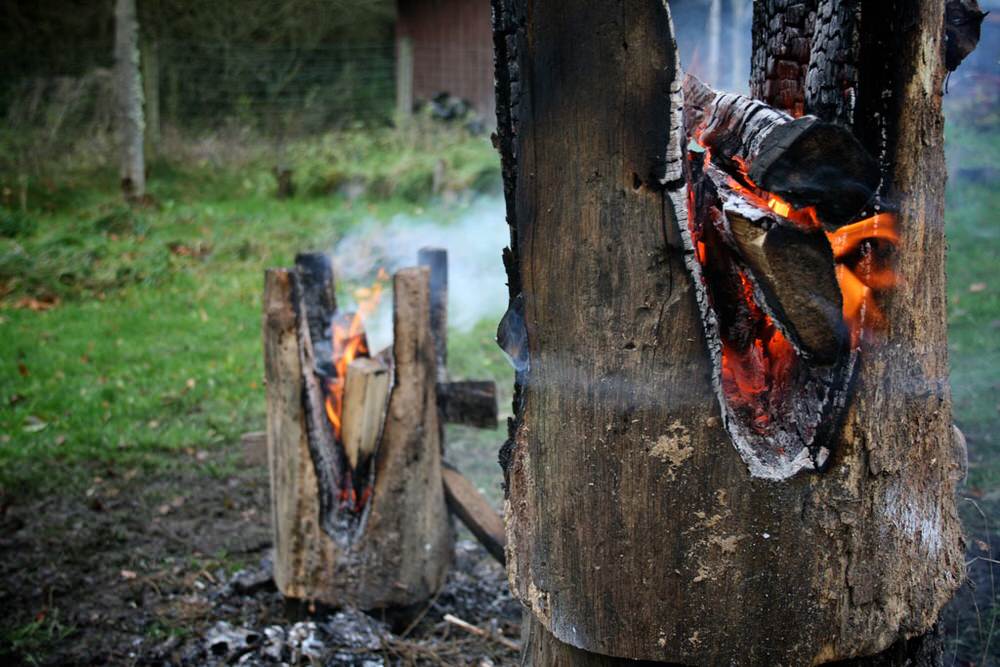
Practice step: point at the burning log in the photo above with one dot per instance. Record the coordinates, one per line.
(646, 518)
(807, 163)
(370, 532)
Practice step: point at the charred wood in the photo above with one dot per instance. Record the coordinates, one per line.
(807, 162)
(468, 402)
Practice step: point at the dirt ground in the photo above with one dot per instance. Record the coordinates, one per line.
(171, 568)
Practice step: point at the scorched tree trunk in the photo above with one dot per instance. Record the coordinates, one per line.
(707, 465)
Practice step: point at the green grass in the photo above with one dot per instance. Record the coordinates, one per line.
(973, 233)
(128, 335)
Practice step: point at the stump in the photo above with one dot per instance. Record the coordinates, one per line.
(638, 525)
(392, 546)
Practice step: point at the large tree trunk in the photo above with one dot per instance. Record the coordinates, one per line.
(635, 527)
(128, 88)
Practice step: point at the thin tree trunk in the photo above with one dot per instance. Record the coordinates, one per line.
(635, 530)
(737, 61)
(128, 86)
(714, 30)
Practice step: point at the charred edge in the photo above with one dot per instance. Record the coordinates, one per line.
(508, 32)
(328, 461)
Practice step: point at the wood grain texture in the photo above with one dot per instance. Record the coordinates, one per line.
(401, 551)
(634, 529)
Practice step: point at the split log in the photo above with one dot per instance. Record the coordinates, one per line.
(684, 555)
(465, 502)
(366, 388)
(807, 162)
(470, 402)
(397, 550)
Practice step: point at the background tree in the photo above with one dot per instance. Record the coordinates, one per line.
(128, 88)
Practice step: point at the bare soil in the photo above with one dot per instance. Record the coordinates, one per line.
(172, 568)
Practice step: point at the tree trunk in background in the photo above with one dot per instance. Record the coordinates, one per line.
(128, 88)
(634, 527)
(714, 30)
(151, 91)
(737, 62)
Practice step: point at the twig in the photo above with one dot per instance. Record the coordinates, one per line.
(476, 630)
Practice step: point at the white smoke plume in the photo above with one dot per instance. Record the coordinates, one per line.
(474, 238)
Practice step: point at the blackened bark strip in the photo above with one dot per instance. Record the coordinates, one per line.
(465, 502)
(470, 402)
(805, 161)
(327, 458)
(832, 79)
(320, 301)
(436, 259)
(781, 46)
(963, 24)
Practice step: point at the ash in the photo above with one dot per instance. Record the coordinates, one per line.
(252, 625)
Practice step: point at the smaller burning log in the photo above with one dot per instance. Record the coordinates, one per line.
(355, 441)
(358, 505)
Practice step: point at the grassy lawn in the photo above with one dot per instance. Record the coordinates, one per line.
(131, 335)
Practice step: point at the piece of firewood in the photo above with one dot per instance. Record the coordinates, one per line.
(469, 402)
(805, 161)
(366, 388)
(465, 502)
(795, 272)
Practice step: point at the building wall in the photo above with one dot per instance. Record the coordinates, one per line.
(452, 49)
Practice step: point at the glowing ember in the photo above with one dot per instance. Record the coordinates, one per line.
(758, 362)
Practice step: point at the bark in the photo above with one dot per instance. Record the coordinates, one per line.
(634, 528)
(399, 552)
(782, 44)
(128, 87)
(832, 78)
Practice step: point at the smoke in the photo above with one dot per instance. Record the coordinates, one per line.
(474, 237)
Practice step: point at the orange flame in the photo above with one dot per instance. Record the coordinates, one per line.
(861, 272)
(349, 343)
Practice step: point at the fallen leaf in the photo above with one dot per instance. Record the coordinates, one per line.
(37, 305)
(33, 424)
(22, 369)
(977, 287)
